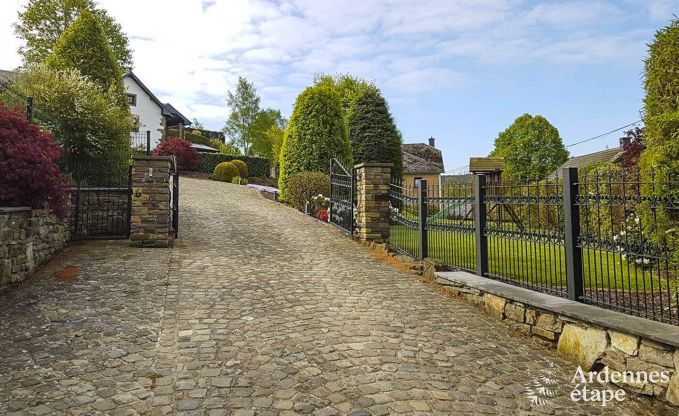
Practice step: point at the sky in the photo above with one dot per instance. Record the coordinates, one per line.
(457, 70)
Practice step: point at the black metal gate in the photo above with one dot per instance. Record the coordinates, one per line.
(101, 212)
(174, 198)
(342, 200)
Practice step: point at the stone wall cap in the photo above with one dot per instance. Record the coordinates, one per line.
(171, 159)
(8, 210)
(373, 165)
(645, 328)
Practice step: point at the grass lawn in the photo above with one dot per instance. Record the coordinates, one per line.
(534, 263)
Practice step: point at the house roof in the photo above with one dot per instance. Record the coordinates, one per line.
(6, 75)
(175, 117)
(603, 156)
(421, 158)
(164, 111)
(204, 149)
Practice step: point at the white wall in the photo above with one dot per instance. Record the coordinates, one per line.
(150, 116)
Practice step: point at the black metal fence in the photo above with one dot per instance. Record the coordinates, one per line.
(342, 198)
(607, 238)
(140, 142)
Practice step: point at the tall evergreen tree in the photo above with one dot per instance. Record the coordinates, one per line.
(314, 135)
(660, 160)
(374, 136)
(83, 46)
(42, 22)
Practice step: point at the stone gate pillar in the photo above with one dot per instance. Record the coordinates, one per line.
(372, 201)
(151, 210)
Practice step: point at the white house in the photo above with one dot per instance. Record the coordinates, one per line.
(151, 114)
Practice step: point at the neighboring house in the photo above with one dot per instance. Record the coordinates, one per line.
(150, 114)
(422, 162)
(603, 156)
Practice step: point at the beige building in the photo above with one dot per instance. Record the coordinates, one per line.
(422, 162)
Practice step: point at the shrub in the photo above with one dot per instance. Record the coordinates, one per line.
(225, 172)
(236, 179)
(29, 175)
(197, 133)
(94, 134)
(242, 168)
(373, 134)
(187, 157)
(257, 166)
(315, 134)
(303, 186)
(661, 134)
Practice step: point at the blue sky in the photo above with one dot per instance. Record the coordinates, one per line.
(458, 70)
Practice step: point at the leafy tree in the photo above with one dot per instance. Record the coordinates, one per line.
(660, 160)
(197, 124)
(244, 105)
(229, 149)
(187, 156)
(43, 22)
(261, 142)
(632, 148)
(94, 133)
(83, 46)
(314, 134)
(532, 148)
(373, 134)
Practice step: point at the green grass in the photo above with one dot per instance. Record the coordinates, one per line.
(532, 262)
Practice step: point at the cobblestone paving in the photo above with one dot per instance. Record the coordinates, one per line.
(259, 310)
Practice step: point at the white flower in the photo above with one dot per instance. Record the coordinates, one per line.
(636, 220)
(624, 256)
(616, 238)
(327, 199)
(647, 261)
(623, 233)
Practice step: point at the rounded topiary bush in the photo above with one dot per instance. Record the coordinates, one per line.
(303, 186)
(242, 168)
(225, 172)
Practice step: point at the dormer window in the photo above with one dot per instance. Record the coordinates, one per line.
(132, 100)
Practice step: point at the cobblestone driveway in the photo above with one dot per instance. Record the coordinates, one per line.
(258, 310)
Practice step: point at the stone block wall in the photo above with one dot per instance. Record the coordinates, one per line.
(372, 201)
(28, 238)
(151, 198)
(590, 346)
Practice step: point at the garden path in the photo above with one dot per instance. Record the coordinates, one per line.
(259, 309)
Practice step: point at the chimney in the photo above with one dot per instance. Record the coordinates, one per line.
(431, 142)
(624, 141)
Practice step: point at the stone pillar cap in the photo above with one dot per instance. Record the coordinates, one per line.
(373, 165)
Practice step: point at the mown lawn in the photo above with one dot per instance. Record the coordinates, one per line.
(531, 262)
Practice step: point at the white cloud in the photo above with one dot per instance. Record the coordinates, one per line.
(192, 54)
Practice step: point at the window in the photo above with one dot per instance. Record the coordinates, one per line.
(417, 182)
(132, 99)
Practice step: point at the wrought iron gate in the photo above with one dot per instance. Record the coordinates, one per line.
(342, 200)
(101, 212)
(174, 206)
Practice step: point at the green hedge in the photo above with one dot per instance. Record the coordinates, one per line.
(193, 138)
(257, 166)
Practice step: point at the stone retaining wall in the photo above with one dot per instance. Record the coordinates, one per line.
(28, 238)
(591, 346)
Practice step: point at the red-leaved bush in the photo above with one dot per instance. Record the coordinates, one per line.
(29, 177)
(187, 157)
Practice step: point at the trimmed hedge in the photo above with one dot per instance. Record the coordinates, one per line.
(257, 166)
(225, 172)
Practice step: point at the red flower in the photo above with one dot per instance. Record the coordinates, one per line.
(322, 215)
